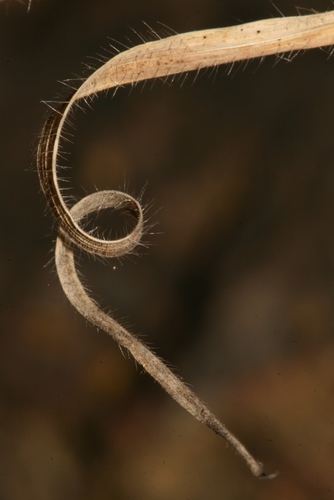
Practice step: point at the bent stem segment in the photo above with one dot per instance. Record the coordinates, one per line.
(161, 58)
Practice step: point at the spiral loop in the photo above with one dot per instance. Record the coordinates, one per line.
(68, 219)
(118, 200)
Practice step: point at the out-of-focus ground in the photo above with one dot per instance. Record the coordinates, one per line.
(236, 291)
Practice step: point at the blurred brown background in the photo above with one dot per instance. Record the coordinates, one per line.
(236, 290)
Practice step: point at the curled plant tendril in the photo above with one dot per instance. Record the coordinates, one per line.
(158, 59)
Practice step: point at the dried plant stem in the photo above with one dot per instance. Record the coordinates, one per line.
(169, 56)
(161, 58)
(144, 356)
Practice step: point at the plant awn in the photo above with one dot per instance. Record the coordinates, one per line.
(161, 58)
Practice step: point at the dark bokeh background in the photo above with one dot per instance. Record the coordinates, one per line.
(236, 292)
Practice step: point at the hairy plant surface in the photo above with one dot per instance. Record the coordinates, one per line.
(158, 59)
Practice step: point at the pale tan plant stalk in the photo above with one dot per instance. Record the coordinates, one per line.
(157, 59)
